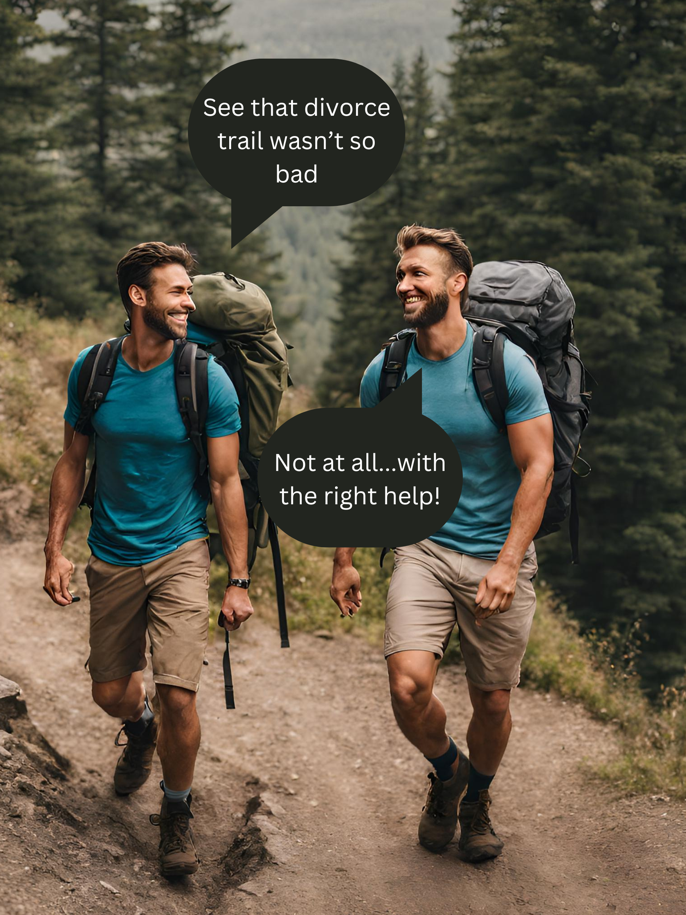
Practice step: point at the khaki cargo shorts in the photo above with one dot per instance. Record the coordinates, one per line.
(433, 588)
(166, 598)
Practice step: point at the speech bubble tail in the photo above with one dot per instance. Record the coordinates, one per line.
(407, 399)
(247, 215)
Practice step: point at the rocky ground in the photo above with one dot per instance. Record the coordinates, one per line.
(306, 796)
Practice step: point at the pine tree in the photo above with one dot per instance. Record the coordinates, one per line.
(101, 71)
(43, 246)
(555, 127)
(191, 44)
(368, 308)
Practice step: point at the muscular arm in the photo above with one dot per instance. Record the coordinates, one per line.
(66, 490)
(227, 497)
(345, 582)
(531, 444)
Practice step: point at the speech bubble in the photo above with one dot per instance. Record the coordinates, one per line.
(273, 133)
(386, 476)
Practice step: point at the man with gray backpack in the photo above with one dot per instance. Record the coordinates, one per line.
(164, 419)
(497, 358)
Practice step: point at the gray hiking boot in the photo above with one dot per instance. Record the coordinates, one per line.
(135, 763)
(478, 841)
(439, 818)
(176, 850)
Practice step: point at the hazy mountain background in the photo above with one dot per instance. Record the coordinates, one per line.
(377, 35)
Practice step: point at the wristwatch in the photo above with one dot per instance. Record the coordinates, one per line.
(239, 583)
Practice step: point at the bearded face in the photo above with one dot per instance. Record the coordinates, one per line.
(170, 321)
(430, 310)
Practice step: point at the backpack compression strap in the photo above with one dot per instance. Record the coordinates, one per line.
(395, 362)
(488, 369)
(191, 392)
(95, 379)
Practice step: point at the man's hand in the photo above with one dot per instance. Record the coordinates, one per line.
(236, 608)
(496, 590)
(58, 573)
(345, 589)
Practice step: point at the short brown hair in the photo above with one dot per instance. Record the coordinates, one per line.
(459, 256)
(136, 266)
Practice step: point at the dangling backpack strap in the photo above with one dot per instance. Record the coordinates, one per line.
(395, 362)
(94, 381)
(228, 679)
(574, 521)
(488, 370)
(190, 373)
(278, 578)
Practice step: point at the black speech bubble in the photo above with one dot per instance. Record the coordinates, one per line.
(394, 430)
(248, 176)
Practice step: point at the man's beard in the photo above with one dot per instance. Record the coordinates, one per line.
(433, 311)
(154, 318)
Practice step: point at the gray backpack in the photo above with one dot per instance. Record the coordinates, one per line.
(531, 305)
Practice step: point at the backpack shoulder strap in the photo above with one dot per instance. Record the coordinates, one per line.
(395, 362)
(190, 375)
(488, 370)
(95, 380)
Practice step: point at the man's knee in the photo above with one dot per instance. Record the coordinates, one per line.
(410, 691)
(490, 705)
(112, 695)
(175, 701)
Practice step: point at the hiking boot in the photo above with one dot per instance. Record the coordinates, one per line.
(135, 763)
(176, 850)
(439, 818)
(478, 841)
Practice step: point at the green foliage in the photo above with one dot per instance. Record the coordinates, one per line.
(96, 158)
(101, 54)
(562, 145)
(40, 215)
(36, 354)
(368, 308)
(188, 45)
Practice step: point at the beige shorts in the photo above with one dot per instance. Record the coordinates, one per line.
(433, 588)
(166, 598)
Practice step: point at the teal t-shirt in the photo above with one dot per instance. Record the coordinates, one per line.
(146, 502)
(481, 522)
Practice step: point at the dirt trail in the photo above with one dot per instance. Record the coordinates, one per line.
(306, 796)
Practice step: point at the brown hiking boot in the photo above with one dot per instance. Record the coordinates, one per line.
(176, 851)
(439, 818)
(135, 763)
(478, 841)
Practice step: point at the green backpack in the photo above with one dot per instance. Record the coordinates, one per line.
(233, 322)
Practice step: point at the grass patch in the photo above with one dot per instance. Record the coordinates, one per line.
(36, 355)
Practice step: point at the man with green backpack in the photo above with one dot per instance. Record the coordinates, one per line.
(496, 359)
(165, 421)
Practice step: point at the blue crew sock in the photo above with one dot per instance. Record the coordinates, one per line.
(175, 795)
(477, 782)
(137, 728)
(444, 764)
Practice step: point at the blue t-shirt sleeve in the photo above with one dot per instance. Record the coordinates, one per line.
(71, 414)
(223, 417)
(526, 396)
(369, 387)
